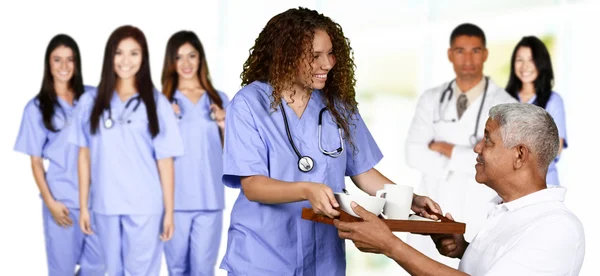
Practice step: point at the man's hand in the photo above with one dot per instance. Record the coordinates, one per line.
(442, 147)
(450, 245)
(371, 235)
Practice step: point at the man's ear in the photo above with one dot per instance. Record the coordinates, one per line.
(521, 156)
(485, 54)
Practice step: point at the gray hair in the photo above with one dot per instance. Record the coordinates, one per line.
(530, 125)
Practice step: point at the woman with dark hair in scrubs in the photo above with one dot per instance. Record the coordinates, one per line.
(128, 136)
(199, 191)
(43, 135)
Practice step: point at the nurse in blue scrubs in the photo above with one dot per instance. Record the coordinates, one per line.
(531, 80)
(43, 135)
(128, 136)
(199, 190)
(292, 134)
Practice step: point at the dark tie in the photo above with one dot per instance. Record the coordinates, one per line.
(461, 105)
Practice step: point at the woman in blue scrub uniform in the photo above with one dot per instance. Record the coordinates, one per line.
(128, 136)
(43, 135)
(199, 190)
(291, 136)
(531, 79)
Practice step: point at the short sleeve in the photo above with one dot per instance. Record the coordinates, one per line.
(244, 152)
(365, 154)
(556, 109)
(32, 133)
(168, 142)
(79, 133)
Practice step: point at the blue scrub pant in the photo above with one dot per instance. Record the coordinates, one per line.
(67, 247)
(130, 243)
(194, 248)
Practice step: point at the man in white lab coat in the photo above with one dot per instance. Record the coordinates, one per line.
(448, 122)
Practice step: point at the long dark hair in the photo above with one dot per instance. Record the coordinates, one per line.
(169, 74)
(47, 99)
(545, 79)
(280, 50)
(143, 79)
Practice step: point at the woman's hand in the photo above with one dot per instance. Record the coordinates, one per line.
(84, 222)
(176, 109)
(421, 205)
(168, 227)
(321, 199)
(219, 115)
(60, 213)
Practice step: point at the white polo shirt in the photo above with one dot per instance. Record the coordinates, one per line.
(532, 235)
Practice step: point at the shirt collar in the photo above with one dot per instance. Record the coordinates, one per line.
(555, 193)
(474, 92)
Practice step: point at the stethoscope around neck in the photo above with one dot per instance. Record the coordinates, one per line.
(109, 122)
(305, 162)
(450, 92)
(211, 114)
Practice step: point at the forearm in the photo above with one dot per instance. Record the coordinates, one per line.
(167, 179)
(415, 263)
(370, 181)
(83, 169)
(37, 166)
(267, 190)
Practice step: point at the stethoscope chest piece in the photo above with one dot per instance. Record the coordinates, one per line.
(108, 123)
(306, 164)
(213, 116)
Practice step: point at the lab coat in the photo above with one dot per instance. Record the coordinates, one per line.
(451, 181)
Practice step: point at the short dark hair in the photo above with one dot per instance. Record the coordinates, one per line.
(467, 29)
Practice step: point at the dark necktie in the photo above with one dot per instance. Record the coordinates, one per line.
(461, 105)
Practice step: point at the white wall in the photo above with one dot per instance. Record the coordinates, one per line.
(400, 50)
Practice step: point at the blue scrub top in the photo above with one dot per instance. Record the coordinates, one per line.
(35, 139)
(124, 173)
(198, 173)
(556, 108)
(273, 239)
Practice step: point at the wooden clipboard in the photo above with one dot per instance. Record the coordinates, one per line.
(445, 226)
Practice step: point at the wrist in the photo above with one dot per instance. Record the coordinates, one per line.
(304, 189)
(464, 249)
(392, 248)
(48, 200)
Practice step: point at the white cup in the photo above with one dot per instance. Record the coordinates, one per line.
(398, 200)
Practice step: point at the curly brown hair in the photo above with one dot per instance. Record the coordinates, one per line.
(285, 45)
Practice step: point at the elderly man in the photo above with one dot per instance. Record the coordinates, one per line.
(529, 231)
